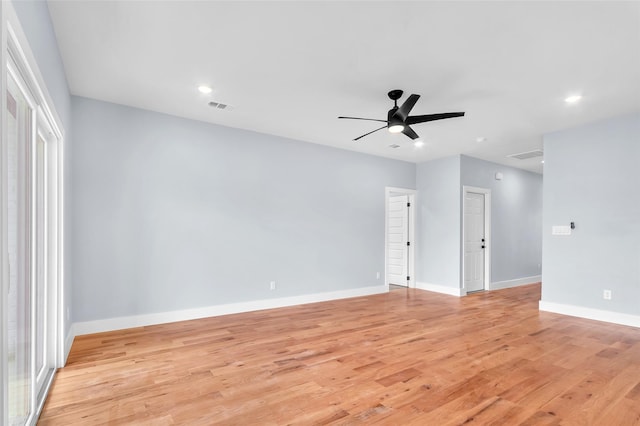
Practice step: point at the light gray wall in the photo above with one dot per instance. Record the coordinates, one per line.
(174, 214)
(38, 28)
(592, 174)
(516, 217)
(516, 225)
(438, 217)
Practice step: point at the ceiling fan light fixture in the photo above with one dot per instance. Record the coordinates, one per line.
(396, 128)
(205, 89)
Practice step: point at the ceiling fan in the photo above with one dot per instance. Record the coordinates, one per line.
(398, 118)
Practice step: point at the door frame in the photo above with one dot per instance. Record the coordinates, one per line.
(14, 43)
(487, 235)
(390, 191)
(4, 273)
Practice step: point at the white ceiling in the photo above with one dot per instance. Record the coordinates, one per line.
(291, 68)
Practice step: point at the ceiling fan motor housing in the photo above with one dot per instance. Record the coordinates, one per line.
(394, 120)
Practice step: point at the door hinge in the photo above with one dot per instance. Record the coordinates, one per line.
(408, 204)
(408, 243)
(408, 278)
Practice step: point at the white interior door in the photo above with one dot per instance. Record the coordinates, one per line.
(397, 238)
(474, 241)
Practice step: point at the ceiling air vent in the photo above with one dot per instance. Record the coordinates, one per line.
(528, 154)
(394, 146)
(218, 105)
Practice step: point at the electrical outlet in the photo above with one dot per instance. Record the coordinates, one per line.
(377, 275)
(272, 285)
(606, 294)
(68, 314)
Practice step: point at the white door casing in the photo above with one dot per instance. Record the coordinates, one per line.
(475, 234)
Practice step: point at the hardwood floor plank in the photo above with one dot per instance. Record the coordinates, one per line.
(408, 357)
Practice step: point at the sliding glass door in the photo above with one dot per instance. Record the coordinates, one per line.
(31, 229)
(19, 125)
(31, 302)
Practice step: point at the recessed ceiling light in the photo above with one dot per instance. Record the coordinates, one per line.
(572, 99)
(205, 89)
(419, 143)
(481, 139)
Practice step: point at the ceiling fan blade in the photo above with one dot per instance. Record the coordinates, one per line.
(373, 131)
(368, 119)
(406, 107)
(409, 132)
(415, 119)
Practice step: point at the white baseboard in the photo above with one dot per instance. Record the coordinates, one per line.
(499, 285)
(590, 313)
(119, 323)
(68, 342)
(452, 291)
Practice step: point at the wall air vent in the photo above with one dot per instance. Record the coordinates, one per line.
(219, 105)
(394, 146)
(528, 154)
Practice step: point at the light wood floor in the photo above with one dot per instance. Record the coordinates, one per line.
(407, 357)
